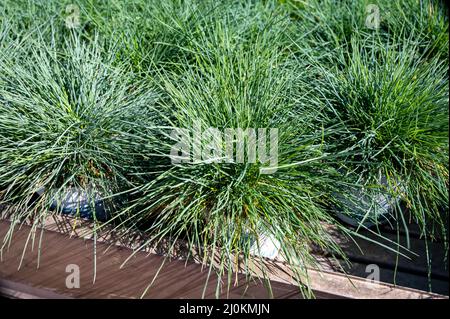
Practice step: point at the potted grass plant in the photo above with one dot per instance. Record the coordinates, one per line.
(392, 102)
(230, 211)
(69, 125)
(386, 87)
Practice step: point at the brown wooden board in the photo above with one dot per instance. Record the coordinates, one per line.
(177, 279)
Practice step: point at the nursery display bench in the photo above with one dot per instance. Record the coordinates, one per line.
(67, 242)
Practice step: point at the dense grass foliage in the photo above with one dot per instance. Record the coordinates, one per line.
(237, 80)
(394, 105)
(69, 119)
(91, 94)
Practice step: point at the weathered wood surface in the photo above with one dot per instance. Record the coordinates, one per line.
(62, 245)
(176, 280)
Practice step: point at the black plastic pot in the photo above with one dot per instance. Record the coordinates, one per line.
(80, 203)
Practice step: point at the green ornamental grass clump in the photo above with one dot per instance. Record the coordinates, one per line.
(223, 207)
(69, 120)
(393, 103)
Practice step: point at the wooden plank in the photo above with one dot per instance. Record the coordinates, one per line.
(14, 290)
(176, 280)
